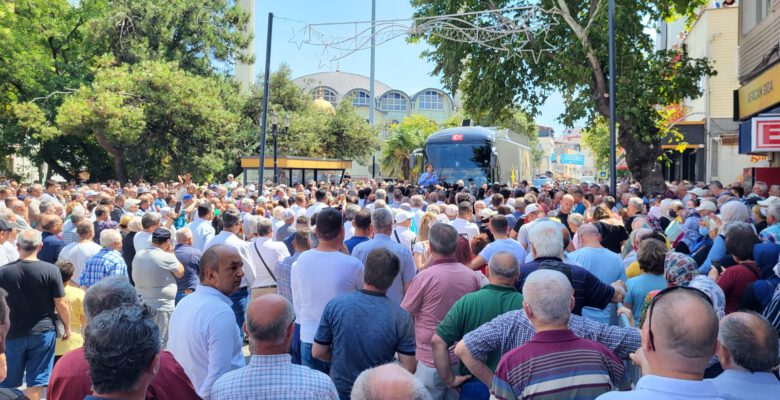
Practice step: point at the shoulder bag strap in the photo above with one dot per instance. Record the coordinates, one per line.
(395, 232)
(264, 264)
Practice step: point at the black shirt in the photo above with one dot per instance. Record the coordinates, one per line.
(612, 236)
(32, 287)
(128, 253)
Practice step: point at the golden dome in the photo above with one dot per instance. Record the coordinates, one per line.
(324, 106)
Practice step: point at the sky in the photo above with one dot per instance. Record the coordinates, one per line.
(398, 63)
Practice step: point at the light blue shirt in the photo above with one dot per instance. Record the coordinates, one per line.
(652, 387)
(427, 179)
(506, 244)
(608, 267)
(404, 254)
(717, 252)
(638, 287)
(734, 384)
(202, 233)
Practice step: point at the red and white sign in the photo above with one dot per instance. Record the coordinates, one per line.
(766, 134)
(457, 138)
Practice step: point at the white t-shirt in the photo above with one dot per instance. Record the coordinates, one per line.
(78, 253)
(465, 227)
(316, 278)
(142, 241)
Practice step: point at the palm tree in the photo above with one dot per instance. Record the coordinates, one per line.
(404, 138)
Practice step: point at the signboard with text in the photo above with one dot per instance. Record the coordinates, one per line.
(759, 94)
(766, 134)
(570, 159)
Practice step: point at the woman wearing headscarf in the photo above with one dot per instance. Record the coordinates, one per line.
(732, 211)
(674, 230)
(664, 218)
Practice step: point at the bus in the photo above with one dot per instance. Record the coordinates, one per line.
(477, 155)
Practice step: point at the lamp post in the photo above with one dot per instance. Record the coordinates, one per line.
(275, 133)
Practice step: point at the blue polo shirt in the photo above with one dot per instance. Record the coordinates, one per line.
(52, 246)
(189, 257)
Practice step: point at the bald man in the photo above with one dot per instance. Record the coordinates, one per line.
(679, 338)
(271, 373)
(388, 382)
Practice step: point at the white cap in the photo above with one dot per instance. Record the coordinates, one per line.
(698, 192)
(132, 202)
(486, 213)
(768, 201)
(531, 208)
(401, 216)
(707, 206)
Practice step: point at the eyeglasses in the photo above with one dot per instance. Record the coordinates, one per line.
(661, 294)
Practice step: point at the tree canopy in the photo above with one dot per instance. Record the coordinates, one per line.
(496, 81)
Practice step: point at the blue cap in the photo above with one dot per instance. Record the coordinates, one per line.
(187, 197)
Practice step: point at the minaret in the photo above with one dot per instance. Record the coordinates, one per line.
(245, 73)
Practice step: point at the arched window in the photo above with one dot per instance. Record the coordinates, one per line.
(392, 102)
(326, 94)
(361, 98)
(431, 100)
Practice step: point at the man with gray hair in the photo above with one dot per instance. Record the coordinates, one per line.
(265, 254)
(108, 261)
(143, 240)
(430, 296)
(546, 245)
(388, 382)
(471, 311)
(771, 234)
(574, 367)
(747, 350)
(270, 374)
(382, 223)
(288, 228)
(69, 234)
(349, 215)
(35, 290)
(81, 250)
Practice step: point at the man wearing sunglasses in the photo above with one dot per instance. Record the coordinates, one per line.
(679, 338)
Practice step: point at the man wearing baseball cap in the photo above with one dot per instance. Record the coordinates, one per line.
(402, 233)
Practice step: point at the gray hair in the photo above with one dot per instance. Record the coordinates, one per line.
(774, 210)
(504, 264)
(29, 239)
(750, 339)
(250, 224)
(364, 386)
(576, 219)
(546, 238)
(380, 194)
(276, 330)
(150, 219)
(247, 202)
(77, 215)
(443, 239)
(119, 345)
(109, 293)
(110, 237)
(548, 293)
(264, 227)
(183, 234)
(636, 202)
(382, 219)
(45, 205)
(416, 201)
(350, 211)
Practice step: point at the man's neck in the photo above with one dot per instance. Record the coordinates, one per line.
(595, 245)
(265, 349)
(371, 288)
(85, 240)
(28, 256)
(329, 246)
(499, 237)
(360, 233)
(134, 395)
(539, 327)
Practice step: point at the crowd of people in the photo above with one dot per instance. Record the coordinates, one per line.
(381, 290)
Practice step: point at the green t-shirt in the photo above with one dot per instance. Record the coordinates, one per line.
(473, 310)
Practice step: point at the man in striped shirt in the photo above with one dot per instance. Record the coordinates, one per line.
(556, 363)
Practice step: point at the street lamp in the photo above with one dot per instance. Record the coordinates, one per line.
(275, 133)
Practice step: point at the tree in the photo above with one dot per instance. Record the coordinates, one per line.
(495, 81)
(404, 138)
(596, 138)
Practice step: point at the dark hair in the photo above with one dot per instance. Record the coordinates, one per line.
(109, 293)
(740, 239)
(443, 239)
(499, 223)
(66, 270)
(382, 266)
(329, 224)
(739, 191)
(230, 218)
(497, 199)
(204, 208)
(301, 237)
(320, 194)
(119, 345)
(106, 201)
(752, 347)
(651, 256)
(362, 219)
(101, 210)
(463, 250)
(302, 220)
(209, 260)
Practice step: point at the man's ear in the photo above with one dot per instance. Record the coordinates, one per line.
(154, 365)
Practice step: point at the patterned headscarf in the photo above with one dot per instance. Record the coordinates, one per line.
(679, 269)
(713, 291)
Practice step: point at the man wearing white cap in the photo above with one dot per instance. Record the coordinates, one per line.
(402, 233)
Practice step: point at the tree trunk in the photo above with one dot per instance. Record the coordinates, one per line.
(54, 166)
(117, 154)
(642, 161)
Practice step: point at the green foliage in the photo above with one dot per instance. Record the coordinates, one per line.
(404, 138)
(596, 138)
(494, 83)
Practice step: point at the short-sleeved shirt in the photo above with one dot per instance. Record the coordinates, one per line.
(52, 246)
(404, 253)
(608, 267)
(153, 276)
(352, 242)
(189, 257)
(473, 310)
(32, 287)
(735, 280)
(431, 295)
(365, 329)
(105, 263)
(75, 297)
(612, 235)
(589, 291)
(638, 287)
(506, 244)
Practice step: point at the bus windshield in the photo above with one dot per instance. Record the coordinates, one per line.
(454, 161)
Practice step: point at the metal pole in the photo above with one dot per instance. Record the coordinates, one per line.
(612, 133)
(261, 159)
(372, 100)
(276, 168)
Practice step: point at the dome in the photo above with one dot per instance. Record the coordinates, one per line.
(324, 106)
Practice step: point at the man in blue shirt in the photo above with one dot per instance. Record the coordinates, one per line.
(499, 227)
(52, 245)
(747, 349)
(429, 177)
(363, 329)
(189, 257)
(362, 225)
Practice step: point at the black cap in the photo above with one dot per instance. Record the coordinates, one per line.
(160, 235)
(6, 226)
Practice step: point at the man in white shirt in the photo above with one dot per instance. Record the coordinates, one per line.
(79, 252)
(202, 334)
(265, 254)
(320, 195)
(417, 203)
(349, 214)
(149, 222)
(319, 275)
(463, 223)
(401, 233)
(201, 228)
(300, 205)
(231, 236)
(7, 230)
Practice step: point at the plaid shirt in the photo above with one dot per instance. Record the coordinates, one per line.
(283, 272)
(273, 377)
(106, 262)
(513, 329)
